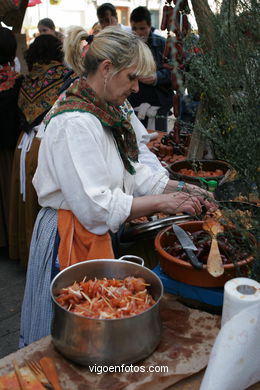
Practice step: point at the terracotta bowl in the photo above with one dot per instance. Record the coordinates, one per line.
(206, 165)
(183, 271)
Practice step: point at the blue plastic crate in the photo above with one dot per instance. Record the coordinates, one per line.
(212, 296)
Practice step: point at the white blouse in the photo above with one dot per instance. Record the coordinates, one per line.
(80, 169)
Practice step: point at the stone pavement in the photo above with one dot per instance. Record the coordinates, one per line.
(12, 283)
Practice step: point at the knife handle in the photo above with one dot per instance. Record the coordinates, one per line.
(193, 259)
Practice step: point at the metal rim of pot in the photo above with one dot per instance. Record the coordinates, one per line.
(145, 230)
(121, 260)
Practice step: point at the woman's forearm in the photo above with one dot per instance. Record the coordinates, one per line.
(188, 199)
(171, 186)
(144, 206)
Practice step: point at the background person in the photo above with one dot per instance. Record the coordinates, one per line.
(107, 16)
(39, 90)
(88, 178)
(155, 93)
(96, 28)
(10, 82)
(47, 26)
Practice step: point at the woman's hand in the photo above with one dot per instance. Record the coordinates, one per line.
(190, 200)
(205, 197)
(183, 202)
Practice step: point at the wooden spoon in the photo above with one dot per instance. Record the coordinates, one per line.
(215, 264)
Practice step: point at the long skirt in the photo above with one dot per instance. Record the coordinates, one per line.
(23, 208)
(6, 160)
(37, 307)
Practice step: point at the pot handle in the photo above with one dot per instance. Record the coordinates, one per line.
(133, 259)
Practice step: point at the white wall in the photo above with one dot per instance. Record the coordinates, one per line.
(67, 13)
(77, 12)
(83, 12)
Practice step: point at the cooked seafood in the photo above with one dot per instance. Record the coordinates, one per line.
(201, 173)
(106, 298)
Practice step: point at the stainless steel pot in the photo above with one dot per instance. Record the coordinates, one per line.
(89, 341)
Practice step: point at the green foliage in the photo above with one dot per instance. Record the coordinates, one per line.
(227, 79)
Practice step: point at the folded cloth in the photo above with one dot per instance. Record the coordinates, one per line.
(151, 114)
(25, 146)
(78, 244)
(146, 110)
(142, 110)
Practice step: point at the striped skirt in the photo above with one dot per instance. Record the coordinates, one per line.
(37, 307)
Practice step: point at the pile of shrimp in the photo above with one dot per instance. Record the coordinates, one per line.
(201, 173)
(106, 298)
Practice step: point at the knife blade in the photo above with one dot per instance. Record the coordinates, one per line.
(187, 245)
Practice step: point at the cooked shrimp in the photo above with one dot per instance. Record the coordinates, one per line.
(106, 298)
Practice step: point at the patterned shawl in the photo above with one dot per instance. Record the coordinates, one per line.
(40, 88)
(80, 97)
(7, 77)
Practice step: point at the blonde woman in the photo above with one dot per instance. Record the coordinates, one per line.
(89, 180)
(75, 46)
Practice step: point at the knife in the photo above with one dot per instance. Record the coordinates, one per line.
(187, 245)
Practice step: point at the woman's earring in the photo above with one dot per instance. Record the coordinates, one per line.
(105, 83)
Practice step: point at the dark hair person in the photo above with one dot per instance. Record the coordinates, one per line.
(39, 90)
(107, 15)
(155, 93)
(10, 82)
(46, 26)
(88, 179)
(139, 14)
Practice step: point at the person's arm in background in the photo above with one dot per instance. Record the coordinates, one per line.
(163, 75)
(143, 138)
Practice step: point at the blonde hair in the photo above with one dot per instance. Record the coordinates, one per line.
(74, 49)
(123, 49)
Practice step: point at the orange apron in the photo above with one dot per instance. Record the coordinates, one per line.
(78, 244)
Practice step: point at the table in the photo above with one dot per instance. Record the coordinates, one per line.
(187, 338)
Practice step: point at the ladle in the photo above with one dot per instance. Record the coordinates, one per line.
(215, 264)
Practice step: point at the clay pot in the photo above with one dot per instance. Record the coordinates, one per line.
(205, 165)
(184, 272)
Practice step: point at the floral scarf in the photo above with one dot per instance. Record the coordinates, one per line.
(7, 77)
(80, 97)
(40, 88)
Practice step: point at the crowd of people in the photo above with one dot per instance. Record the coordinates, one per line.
(74, 159)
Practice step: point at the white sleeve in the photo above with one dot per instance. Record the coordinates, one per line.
(80, 169)
(92, 191)
(141, 133)
(145, 155)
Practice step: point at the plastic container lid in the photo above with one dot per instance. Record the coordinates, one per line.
(212, 185)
